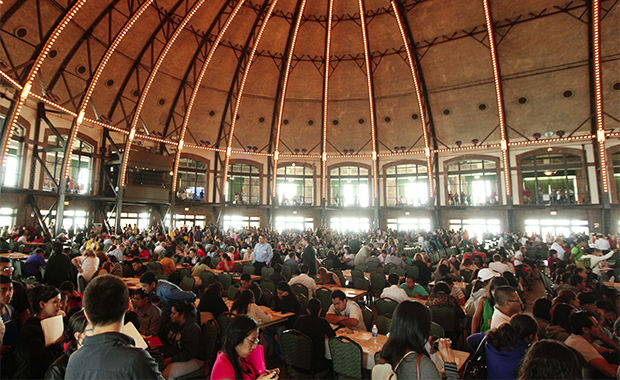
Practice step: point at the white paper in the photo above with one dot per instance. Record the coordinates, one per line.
(130, 330)
(52, 329)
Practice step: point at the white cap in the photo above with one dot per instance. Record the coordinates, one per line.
(486, 274)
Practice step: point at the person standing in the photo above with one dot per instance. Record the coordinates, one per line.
(309, 256)
(263, 253)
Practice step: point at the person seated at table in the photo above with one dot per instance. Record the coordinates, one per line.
(559, 326)
(372, 258)
(507, 345)
(192, 257)
(286, 302)
(585, 330)
(246, 305)
(168, 266)
(335, 258)
(249, 254)
(32, 354)
(87, 265)
(276, 277)
(292, 260)
(242, 356)
(541, 310)
(412, 289)
(181, 343)
(58, 268)
(318, 330)
(113, 267)
(455, 291)
(424, 272)
(203, 265)
(410, 331)
(440, 296)
(348, 258)
(246, 283)
(167, 292)
(393, 292)
(211, 300)
(227, 264)
(345, 312)
(137, 268)
(549, 359)
(481, 320)
(4, 246)
(24, 239)
(77, 328)
(468, 264)
(327, 278)
(304, 280)
(405, 259)
(73, 297)
(34, 263)
(149, 315)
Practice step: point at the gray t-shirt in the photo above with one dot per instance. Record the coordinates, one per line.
(428, 371)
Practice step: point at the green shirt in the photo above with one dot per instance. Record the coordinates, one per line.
(577, 252)
(487, 314)
(416, 289)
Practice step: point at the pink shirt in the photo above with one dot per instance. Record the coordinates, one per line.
(223, 369)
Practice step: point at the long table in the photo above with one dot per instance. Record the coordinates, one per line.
(348, 292)
(371, 345)
(275, 317)
(347, 275)
(615, 285)
(235, 276)
(15, 255)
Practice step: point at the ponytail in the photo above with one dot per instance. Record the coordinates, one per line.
(505, 337)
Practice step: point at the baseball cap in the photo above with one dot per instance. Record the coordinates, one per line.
(486, 274)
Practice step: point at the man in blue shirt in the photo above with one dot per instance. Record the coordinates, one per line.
(34, 263)
(262, 255)
(168, 293)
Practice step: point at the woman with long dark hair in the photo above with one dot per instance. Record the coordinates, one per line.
(559, 326)
(211, 300)
(182, 342)
(411, 326)
(74, 334)
(550, 360)
(32, 354)
(245, 305)
(242, 357)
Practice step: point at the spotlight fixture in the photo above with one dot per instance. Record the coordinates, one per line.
(560, 133)
(171, 172)
(396, 148)
(554, 213)
(304, 150)
(66, 203)
(458, 143)
(296, 151)
(186, 208)
(346, 151)
(293, 164)
(351, 151)
(407, 213)
(255, 149)
(549, 134)
(474, 141)
(536, 136)
(402, 148)
(249, 148)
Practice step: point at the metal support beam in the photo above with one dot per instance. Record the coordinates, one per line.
(324, 116)
(37, 214)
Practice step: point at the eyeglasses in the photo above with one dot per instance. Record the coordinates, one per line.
(8, 269)
(254, 342)
(515, 301)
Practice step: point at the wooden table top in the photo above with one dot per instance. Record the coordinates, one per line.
(132, 283)
(612, 284)
(348, 292)
(15, 255)
(235, 276)
(274, 316)
(347, 275)
(369, 344)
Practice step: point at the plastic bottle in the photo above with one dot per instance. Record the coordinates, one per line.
(612, 279)
(375, 331)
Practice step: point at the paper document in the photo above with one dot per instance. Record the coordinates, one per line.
(130, 330)
(52, 329)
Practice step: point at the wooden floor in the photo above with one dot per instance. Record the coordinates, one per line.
(538, 290)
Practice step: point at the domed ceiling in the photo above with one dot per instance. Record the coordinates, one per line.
(168, 46)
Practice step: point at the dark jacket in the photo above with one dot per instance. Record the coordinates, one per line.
(58, 269)
(111, 356)
(316, 328)
(289, 304)
(182, 343)
(309, 258)
(57, 370)
(31, 355)
(214, 304)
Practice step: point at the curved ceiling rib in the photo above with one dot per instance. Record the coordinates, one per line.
(498, 95)
(12, 118)
(416, 84)
(93, 83)
(192, 66)
(371, 99)
(598, 92)
(78, 44)
(188, 112)
(138, 59)
(287, 71)
(328, 42)
(240, 93)
(147, 87)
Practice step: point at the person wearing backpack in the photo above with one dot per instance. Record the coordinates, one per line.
(404, 355)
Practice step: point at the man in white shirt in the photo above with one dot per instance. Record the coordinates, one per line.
(602, 244)
(344, 312)
(498, 266)
(304, 279)
(116, 252)
(523, 271)
(394, 292)
(557, 245)
(160, 249)
(507, 304)
(586, 330)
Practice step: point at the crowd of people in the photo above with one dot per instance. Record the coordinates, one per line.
(572, 332)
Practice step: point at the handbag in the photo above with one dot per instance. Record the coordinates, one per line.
(476, 366)
(386, 372)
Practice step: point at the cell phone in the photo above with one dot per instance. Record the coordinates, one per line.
(274, 375)
(436, 345)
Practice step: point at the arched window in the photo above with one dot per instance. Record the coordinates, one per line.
(192, 179)
(472, 182)
(406, 185)
(243, 184)
(295, 185)
(349, 186)
(553, 178)
(12, 172)
(80, 172)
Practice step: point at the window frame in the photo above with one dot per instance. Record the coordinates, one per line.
(195, 170)
(471, 157)
(340, 177)
(396, 176)
(230, 197)
(304, 177)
